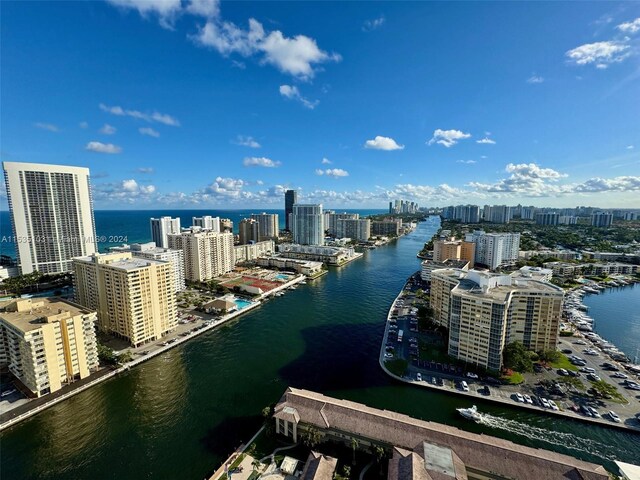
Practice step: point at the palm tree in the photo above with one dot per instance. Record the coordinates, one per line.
(354, 445)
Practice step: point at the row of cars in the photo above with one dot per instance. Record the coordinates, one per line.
(534, 400)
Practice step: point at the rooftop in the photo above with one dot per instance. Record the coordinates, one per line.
(29, 314)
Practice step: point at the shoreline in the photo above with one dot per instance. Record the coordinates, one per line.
(475, 395)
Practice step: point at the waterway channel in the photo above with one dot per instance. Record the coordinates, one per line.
(179, 415)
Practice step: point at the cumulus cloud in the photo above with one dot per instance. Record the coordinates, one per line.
(166, 10)
(149, 132)
(126, 192)
(46, 126)
(535, 79)
(260, 162)
(383, 143)
(108, 129)
(630, 27)
(527, 179)
(486, 141)
(292, 92)
(147, 117)
(332, 172)
(100, 147)
(204, 8)
(326, 161)
(616, 184)
(373, 24)
(601, 54)
(448, 138)
(246, 141)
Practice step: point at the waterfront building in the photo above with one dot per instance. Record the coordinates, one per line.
(548, 218)
(318, 253)
(161, 228)
(251, 251)
(290, 199)
(559, 254)
(306, 267)
(422, 450)
(601, 219)
(249, 231)
(428, 266)
(51, 213)
(495, 249)
(226, 225)
(206, 254)
(497, 213)
(268, 227)
(134, 297)
(561, 269)
(462, 213)
(331, 219)
(47, 342)
(386, 228)
(355, 229)
(206, 222)
(486, 311)
(454, 249)
(307, 224)
(403, 206)
(536, 273)
(151, 251)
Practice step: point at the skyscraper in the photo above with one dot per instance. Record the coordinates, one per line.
(206, 254)
(249, 231)
(268, 225)
(308, 224)
(51, 215)
(206, 222)
(290, 198)
(162, 227)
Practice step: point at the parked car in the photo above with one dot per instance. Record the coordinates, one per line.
(519, 397)
(419, 377)
(464, 386)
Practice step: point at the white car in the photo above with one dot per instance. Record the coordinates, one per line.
(464, 386)
(553, 405)
(388, 355)
(614, 416)
(527, 399)
(471, 375)
(419, 377)
(519, 397)
(594, 412)
(545, 402)
(619, 375)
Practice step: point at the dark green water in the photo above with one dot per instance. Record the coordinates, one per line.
(179, 415)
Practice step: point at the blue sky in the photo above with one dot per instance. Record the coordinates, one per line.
(224, 105)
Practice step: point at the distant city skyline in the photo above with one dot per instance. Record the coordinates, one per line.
(209, 105)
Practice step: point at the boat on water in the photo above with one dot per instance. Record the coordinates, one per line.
(470, 413)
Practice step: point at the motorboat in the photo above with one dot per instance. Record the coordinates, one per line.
(470, 413)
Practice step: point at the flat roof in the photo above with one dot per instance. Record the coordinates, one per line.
(27, 321)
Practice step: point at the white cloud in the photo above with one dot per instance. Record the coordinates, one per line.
(383, 143)
(526, 179)
(83, 125)
(166, 10)
(260, 162)
(246, 141)
(204, 8)
(602, 54)
(535, 79)
(100, 147)
(47, 126)
(486, 141)
(332, 172)
(145, 170)
(467, 162)
(326, 161)
(149, 132)
(292, 92)
(630, 147)
(147, 117)
(373, 24)
(108, 129)
(296, 56)
(448, 138)
(630, 27)
(616, 184)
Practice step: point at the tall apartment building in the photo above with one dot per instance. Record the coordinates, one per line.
(268, 227)
(290, 199)
(385, 228)
(495, 249)
(527, 213)
(47, 342)
(206, 222)
(496, 213)
(548, 218)
(567, 220)
(51, 215)
(462, 213)
(249, 231)
(601, 219)
(150, 251)
(355, 229)
(206, 254)
(453, 249)
(135, 297)
(226, 225)
(484, 312)
(331, 221)
(161, 228)
(307, 224)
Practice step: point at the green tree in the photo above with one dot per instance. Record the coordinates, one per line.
(516, 357)
(550, 356)
(311, 437)
(604, 389)
(354, 446)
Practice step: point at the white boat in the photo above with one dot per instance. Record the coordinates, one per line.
(470, 413)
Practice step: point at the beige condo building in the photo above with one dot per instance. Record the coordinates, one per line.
(47, 343)
(134, 297)
(452, 249)
(485, 311)
(206, 254)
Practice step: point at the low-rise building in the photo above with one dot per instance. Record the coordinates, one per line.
(251, 251)
(47, 342)
(306, 267)
(318, 253)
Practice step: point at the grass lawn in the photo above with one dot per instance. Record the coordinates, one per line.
(514, 379)
(564, 363)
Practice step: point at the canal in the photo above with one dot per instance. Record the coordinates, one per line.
(179, 415)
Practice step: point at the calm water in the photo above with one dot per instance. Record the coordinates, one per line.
(616, 312)
(179, 415)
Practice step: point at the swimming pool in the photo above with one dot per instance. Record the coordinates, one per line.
(242, 303)
(282, 276)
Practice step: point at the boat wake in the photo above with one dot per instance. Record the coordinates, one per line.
(562, 439)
